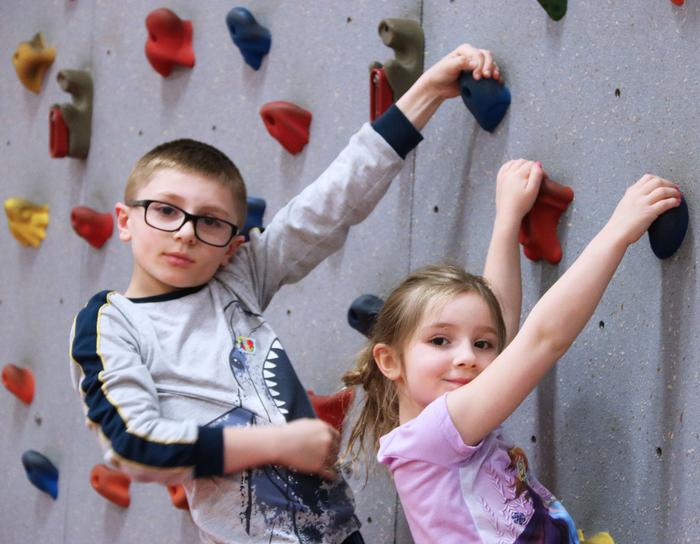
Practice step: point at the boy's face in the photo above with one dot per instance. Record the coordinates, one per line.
(166, 261)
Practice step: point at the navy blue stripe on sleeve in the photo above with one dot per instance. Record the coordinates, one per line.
(102, 412)
(398, 131)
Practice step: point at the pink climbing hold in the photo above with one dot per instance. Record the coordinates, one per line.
(19, 381)
(288, 124)
(94, 226)
(538, 231)
(169, 41)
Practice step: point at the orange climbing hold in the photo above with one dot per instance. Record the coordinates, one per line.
(32, 60)
(178, 497)
(19, 381)
(169, 41)
(333, 408)
(288, 124)
(112, 484)
(94, 226)
(27, 221)
(538, 231)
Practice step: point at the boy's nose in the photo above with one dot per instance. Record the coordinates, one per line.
(185, 232)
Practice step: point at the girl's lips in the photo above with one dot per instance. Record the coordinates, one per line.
(178, 259)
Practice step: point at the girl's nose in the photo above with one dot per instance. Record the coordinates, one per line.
(465, 357)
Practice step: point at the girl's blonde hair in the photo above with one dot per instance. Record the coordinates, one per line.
(421, 291)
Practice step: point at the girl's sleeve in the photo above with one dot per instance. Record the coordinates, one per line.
(121, 403)
(315, 223)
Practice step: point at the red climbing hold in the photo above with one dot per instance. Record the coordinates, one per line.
(380, 93)
(58, 134)
(95, 227)
(169, 41)
(678, 2)
(112, 484)
(538, 231)
(288, 124)
(178, 497)
(19, 381)
(333, 408)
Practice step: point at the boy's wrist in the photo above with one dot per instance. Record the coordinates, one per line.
(419, 103)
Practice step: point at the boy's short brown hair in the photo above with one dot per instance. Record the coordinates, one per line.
(190, 156)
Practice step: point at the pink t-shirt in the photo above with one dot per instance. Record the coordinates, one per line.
(455, 493)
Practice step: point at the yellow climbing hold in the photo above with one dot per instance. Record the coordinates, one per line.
(598, 538)
(27, 221)
(32, 59)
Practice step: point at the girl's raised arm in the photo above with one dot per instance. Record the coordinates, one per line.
(481, 405)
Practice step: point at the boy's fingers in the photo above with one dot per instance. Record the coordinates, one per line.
(488, 62)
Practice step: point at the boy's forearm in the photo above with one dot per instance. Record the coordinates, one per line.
(419, 104)
(502, 271)
(565, 309)
(246, 447)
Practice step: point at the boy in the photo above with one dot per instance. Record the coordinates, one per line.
(183, 377)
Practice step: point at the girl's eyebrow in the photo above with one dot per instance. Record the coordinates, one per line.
(448, 325)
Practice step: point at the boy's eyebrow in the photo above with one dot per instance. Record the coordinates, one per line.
(176, 199)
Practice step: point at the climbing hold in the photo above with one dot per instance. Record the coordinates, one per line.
(27, 221)
(288, 124)
(538, 231)
(556, 9)
(169, 41)
(333, 408)
(112, 484)
(32, 60)
(178, 497)
(254, 217)
(41, 472)
(249, 36)
(380, 93)
(19, 381)
(94, 226)
(70, 125)
(667, 232)
(598, 538)
(678, 2)
(363, 313)
(486, 98)
(406, 38)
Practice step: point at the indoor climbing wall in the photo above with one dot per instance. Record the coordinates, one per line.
(604, 94)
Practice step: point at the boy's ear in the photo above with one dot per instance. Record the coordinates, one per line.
(387, 360)
(237, 242)
(122, 212)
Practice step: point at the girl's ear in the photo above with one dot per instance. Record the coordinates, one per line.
(388, 361)
(122, 212)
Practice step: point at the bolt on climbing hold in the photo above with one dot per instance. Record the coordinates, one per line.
(288, 124)
(169, 41)
(70, 125)
(487, 99)
(41, 472)
(254, 216)
(380, 94)
(667, 232)
(94, 226)
(250, 37)
(19, 381)
(538, 230)
(178, 497)
(406, 38)
(333, 408)
(112, 484)
(556, 9)
(27, 221)
(363, 312)
(32, 59)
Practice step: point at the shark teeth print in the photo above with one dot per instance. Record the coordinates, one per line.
(270, 377)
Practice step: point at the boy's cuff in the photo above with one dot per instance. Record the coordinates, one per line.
(209, 452)
(397, 130)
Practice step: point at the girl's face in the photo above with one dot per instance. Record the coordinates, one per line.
(450, 347)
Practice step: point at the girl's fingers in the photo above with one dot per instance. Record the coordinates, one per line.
(663, 192)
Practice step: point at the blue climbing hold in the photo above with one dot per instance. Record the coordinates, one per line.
(250, 37)
(41, 472)
(363, 313)
(254, 217)
(667, 231)
(486, 99)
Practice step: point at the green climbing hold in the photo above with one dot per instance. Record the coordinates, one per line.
(556, 9)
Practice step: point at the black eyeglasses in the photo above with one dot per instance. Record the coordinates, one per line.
(169, 218)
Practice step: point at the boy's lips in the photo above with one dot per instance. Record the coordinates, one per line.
(178, 259)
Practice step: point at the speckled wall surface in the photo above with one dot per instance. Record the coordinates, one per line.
(613, 430)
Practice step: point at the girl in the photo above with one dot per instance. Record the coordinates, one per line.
(440, 376)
